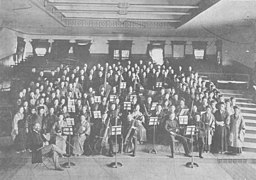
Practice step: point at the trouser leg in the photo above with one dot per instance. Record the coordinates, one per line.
(172, 145)
(55, 158)
(110, 141)
(184, 143)
(120, 142)
(201, 146)
(134, 139)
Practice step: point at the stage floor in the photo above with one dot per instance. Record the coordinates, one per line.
(143, 166)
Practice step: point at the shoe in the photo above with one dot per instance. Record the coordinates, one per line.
(110, 154)
(133, 155)
(59, 169)
(201, 157)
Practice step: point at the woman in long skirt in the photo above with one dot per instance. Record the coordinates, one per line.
(83, 131)
(237, 131)
(220, 138)
(19, 131)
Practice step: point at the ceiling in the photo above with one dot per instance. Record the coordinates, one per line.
(127, 17)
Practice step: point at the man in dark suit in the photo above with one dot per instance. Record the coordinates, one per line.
(38, 145)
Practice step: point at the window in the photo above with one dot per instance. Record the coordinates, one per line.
(116, 54)
(121, 54)
(199, 54)
(120, 50)
(199, 49)
(40, 51)
(125, 54)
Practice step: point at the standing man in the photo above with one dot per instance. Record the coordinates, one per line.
(114, 121)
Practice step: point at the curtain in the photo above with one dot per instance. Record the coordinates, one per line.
(60, 49)
(81, 50)
(155, 51)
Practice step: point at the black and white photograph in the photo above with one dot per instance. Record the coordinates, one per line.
(127, 89)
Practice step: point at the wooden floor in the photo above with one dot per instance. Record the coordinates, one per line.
(144, 166)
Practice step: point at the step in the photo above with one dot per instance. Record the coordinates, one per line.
(245, 103)
(250, 140)
(249, 135)
(243, 99)
(251, 128)
(248, 111)
(249, 145)
(235, 91)
(249, 114)
(229, 95)
(248, 100)
(250, 124)
(248, 149)
(250, 121)
(248, 108)
(248, 131)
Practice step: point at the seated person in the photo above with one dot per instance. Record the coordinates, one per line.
(172, 126)
(82, 132)
(37, 144)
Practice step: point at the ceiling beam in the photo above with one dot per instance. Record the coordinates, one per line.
(40, 6)
(116, 8)
(128, 12)
(202, 6)
(118, 16)
(136, 2)
(164, 6)
(127, 19)
(88, 4)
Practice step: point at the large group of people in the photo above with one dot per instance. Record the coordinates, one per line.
(92, 101)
